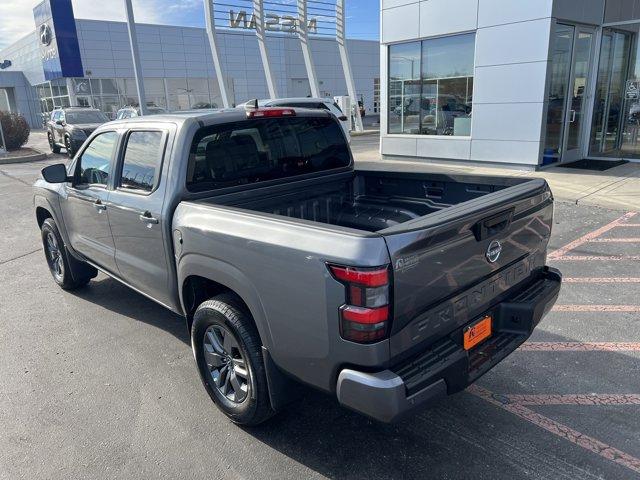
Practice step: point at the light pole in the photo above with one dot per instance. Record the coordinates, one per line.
(3, 148)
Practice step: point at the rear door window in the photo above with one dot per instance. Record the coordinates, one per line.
(142, 160)
(259, 150)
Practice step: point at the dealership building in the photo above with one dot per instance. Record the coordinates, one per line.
(67, 61)
(522, 83)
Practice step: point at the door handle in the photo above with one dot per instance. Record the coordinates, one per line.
(573, 116)
(99, 206)
(147, 218)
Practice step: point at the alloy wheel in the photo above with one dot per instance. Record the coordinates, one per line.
(54, 256)
(226, 365)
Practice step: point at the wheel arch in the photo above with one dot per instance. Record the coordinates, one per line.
(201, 278)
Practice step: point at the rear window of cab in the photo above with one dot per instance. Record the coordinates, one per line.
(258, 150)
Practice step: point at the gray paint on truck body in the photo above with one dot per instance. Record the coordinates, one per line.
(277, 264)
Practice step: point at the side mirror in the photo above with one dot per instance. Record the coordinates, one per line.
(55, 173)
(59, 122)
(343, 118)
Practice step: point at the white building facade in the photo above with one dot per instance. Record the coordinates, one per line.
(178, 69)
(510, 82)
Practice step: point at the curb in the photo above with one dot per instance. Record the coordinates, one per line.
(366, 132)
(24, 159)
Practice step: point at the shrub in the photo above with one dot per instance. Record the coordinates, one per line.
(16, 130)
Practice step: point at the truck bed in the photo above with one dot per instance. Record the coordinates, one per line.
(368, 200)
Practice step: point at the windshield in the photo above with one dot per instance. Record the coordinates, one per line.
(86, 117)
(252, 151)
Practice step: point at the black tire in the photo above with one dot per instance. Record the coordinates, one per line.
(54, 148)
(69, 146)
(225, 312)
(65, 270)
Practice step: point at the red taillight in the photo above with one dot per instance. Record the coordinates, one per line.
(271, 112)
(366, 316)
(369, 278)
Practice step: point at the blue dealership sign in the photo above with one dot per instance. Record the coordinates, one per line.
(58, 39)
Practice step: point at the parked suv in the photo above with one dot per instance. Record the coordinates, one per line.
(69, 127)
(131, 112)
(313, 103)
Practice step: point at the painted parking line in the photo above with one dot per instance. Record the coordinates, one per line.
(601, 280)
(596, 308)
(591, 258)
(582, 399)
(562, 252)
(615, 240)
(589, 443)
(580, 347)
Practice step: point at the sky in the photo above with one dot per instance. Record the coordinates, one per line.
(16, 16)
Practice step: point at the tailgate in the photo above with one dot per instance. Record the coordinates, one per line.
(450, 266)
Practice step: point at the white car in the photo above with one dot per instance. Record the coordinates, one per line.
(313, 103)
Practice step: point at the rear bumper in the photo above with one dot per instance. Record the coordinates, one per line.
(446, 368)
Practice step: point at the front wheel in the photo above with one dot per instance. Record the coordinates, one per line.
(227, 350)
(68, 145)
(52, 144)
(58, 260)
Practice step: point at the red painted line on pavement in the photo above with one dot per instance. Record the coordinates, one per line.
(589, 443)
(580, 347)
(596, 308)
(601, 280)
(561, 252)
(583, 399)
(615, 240)
(590, 258)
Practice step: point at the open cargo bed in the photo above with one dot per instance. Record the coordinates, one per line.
(367, 200)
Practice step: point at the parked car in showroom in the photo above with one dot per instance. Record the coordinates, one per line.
(386, 290)
(134, 111)
(69, 127)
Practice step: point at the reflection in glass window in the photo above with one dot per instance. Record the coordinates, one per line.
(142, 160)
(94, 165)
(431, 86)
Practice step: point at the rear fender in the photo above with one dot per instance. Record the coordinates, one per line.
(229, 276)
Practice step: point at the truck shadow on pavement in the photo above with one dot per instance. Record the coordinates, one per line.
(114, 296)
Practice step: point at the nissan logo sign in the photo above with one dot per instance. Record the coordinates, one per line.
(493, 251)
(45, 35)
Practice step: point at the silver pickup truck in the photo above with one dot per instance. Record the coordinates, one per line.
(387, 290)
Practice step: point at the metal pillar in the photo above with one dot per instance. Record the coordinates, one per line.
(3, 147)
(303, 35)
(137, 67)
(346, 65)
(258, 12)
(215, 53)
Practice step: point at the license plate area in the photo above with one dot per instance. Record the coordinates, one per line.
(477, 332)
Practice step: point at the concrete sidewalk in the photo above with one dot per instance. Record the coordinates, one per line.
(617, 188)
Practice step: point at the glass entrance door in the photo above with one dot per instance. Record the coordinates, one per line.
(608, 125)
(569, 76)
(582, 51)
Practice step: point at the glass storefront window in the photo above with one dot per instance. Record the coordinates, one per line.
(431, 86)
(404, 88)
(615, 128)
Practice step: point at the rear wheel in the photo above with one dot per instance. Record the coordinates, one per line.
(61, 265)
(228, 353)
(52, 145)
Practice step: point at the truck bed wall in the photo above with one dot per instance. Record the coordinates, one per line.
(369, 201)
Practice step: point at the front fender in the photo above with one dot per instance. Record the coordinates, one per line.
(229, 276)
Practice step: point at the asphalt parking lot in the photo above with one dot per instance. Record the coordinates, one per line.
(101, 383)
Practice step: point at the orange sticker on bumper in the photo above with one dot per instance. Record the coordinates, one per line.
(476, 333)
